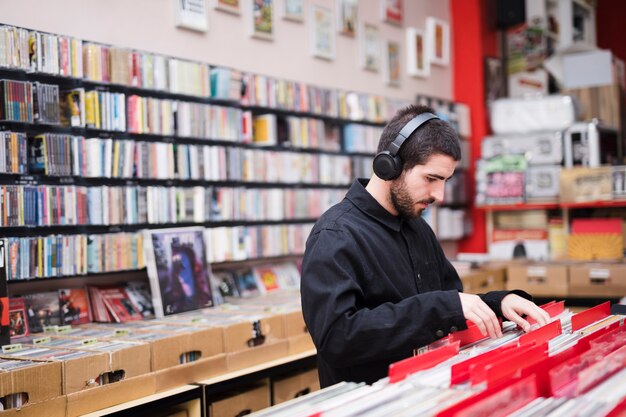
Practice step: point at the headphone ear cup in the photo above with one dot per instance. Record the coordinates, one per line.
(387, 167)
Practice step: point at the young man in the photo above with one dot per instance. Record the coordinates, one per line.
(375, 281)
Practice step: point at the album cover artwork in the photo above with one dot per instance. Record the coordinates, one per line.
(178, 270)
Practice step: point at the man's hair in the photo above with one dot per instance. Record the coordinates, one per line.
(433, 137)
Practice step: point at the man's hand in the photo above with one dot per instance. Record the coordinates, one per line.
(513, 307)
(479, 313)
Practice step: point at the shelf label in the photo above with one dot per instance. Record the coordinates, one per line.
(11, 348)
(64, 329)
(536, 271)
(600, 273)
(42, 340)
(51, 329)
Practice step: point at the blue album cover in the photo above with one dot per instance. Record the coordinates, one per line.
(179, 271)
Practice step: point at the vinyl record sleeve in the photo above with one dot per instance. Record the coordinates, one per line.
(178, 270)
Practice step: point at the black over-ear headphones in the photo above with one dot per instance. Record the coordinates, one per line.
(387, 164)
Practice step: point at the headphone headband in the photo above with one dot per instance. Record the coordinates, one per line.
(407, 130)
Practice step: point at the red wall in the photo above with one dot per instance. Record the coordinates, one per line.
(472, 41)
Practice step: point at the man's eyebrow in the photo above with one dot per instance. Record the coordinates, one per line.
(439, 177)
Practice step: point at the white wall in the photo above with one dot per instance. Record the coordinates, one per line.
(149, 25)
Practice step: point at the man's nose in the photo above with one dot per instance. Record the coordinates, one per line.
(438, 190)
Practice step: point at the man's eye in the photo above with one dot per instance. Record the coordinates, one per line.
(430, 179)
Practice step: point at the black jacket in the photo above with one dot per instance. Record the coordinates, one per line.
(374, 287)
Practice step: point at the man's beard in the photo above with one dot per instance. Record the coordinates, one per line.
(402, 201)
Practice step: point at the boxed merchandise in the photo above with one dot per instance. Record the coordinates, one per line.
(32, 381)
(81, 369)
(619, 182)
(472, 280)
(539, 279)
(247, 327)
(124, 359)
(287, 305)
(597, 279)
(243, 402)
(289, 387)
(582, 184)
(538, 147)
(296, 332)
(542, 182)
(531, 114)
(54, 407)
(87, 401)
(191, 372)
(519, 244)
(173, 343)
(500, 180)
(250, 336)
(596, 239)
(484, 279)
(592, 144)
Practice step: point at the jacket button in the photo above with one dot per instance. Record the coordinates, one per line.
(439, 333)
(453, 329)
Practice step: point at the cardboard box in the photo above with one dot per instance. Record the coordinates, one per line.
(290, 387)
(597, 280)
(243, 328)
(542, 183)
(544, 147)
(177, 376)
(519, 244)
(81, 373)
(471, 280)
(483, 280)
(41, 382)
(496, 278)
(294, 324)
(166, 353)
(257, 355)
(582, 184)
(56, 407)
(133, 358)
(78, 373)
(299, 344)
(250, 333)
(109, 395)
(242, 403)
(169, 342)
(539, 279)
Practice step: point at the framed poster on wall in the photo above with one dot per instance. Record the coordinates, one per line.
(370, 47)
(347, 17)
(192, 14)
(391, 70)
(262, 19)
(392, 11)
(230, 6)
(293, 10)
(417, 57)
(438, 34)
(322, 32)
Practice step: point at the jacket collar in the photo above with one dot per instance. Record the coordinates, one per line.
(365, 202)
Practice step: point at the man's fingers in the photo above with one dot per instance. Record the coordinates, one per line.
(492, 324)
(545, 317)
(517, 319)
(487, 322)
(474, 318)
